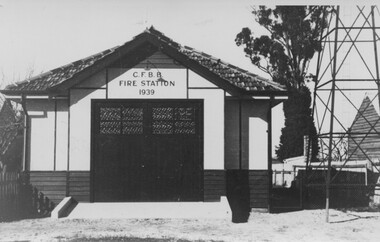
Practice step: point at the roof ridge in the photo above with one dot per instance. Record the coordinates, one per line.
(236, 76)
(161, 36)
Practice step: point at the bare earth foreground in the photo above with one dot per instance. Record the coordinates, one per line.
(307, 225)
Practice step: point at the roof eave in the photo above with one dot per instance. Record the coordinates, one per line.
(278, 93)
(23, 93)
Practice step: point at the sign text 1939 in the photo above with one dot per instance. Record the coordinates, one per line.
(146, 92)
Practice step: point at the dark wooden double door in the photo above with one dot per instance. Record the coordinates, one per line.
(147, 150)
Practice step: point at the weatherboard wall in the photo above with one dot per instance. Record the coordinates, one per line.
(364, 140)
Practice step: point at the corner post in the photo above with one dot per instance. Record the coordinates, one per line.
(270, 172)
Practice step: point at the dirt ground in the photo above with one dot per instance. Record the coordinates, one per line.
(307, 225)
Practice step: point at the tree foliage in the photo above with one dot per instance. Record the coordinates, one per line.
(285, 54)
(298, 123)
(293, 41)
(11, 132)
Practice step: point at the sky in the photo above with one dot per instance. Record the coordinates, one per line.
(40, 35)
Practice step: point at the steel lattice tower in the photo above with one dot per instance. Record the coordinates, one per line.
(347, 72)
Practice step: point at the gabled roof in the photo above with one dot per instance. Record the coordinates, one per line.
(229, 77)
(365, 132)
(366, 113)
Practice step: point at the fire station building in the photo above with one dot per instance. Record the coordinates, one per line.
(149, 120)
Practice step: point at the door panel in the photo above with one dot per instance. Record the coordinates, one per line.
(147, 150)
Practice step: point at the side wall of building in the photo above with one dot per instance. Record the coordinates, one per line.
(246, 147)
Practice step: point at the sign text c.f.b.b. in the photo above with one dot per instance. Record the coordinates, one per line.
(150, 74)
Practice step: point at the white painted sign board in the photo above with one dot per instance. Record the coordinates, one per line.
(140, 83)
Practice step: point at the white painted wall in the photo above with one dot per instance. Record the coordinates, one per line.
(213, 119)
(258, 144)
(42, 123)
(196, 80)
(213, 126)
(41, 143)
(80, 126)
(62, 135)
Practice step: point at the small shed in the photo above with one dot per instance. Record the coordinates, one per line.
(364, 140)
(150, 120)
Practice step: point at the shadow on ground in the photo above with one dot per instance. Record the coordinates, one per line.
(285, 200)
(134, 239)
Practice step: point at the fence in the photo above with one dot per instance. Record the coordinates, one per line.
(283, 178)
(357, 186)
(348, 188)
(19, 200)
(285, 194)
(9, 192)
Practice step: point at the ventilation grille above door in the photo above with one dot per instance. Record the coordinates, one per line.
(153, 119)
(174, 120)
(121, 120)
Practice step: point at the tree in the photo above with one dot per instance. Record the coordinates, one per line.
(339, 148)
(285, 55)
(11, 128)
(11, 132)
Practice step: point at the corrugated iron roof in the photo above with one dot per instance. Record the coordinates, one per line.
(242, 79)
